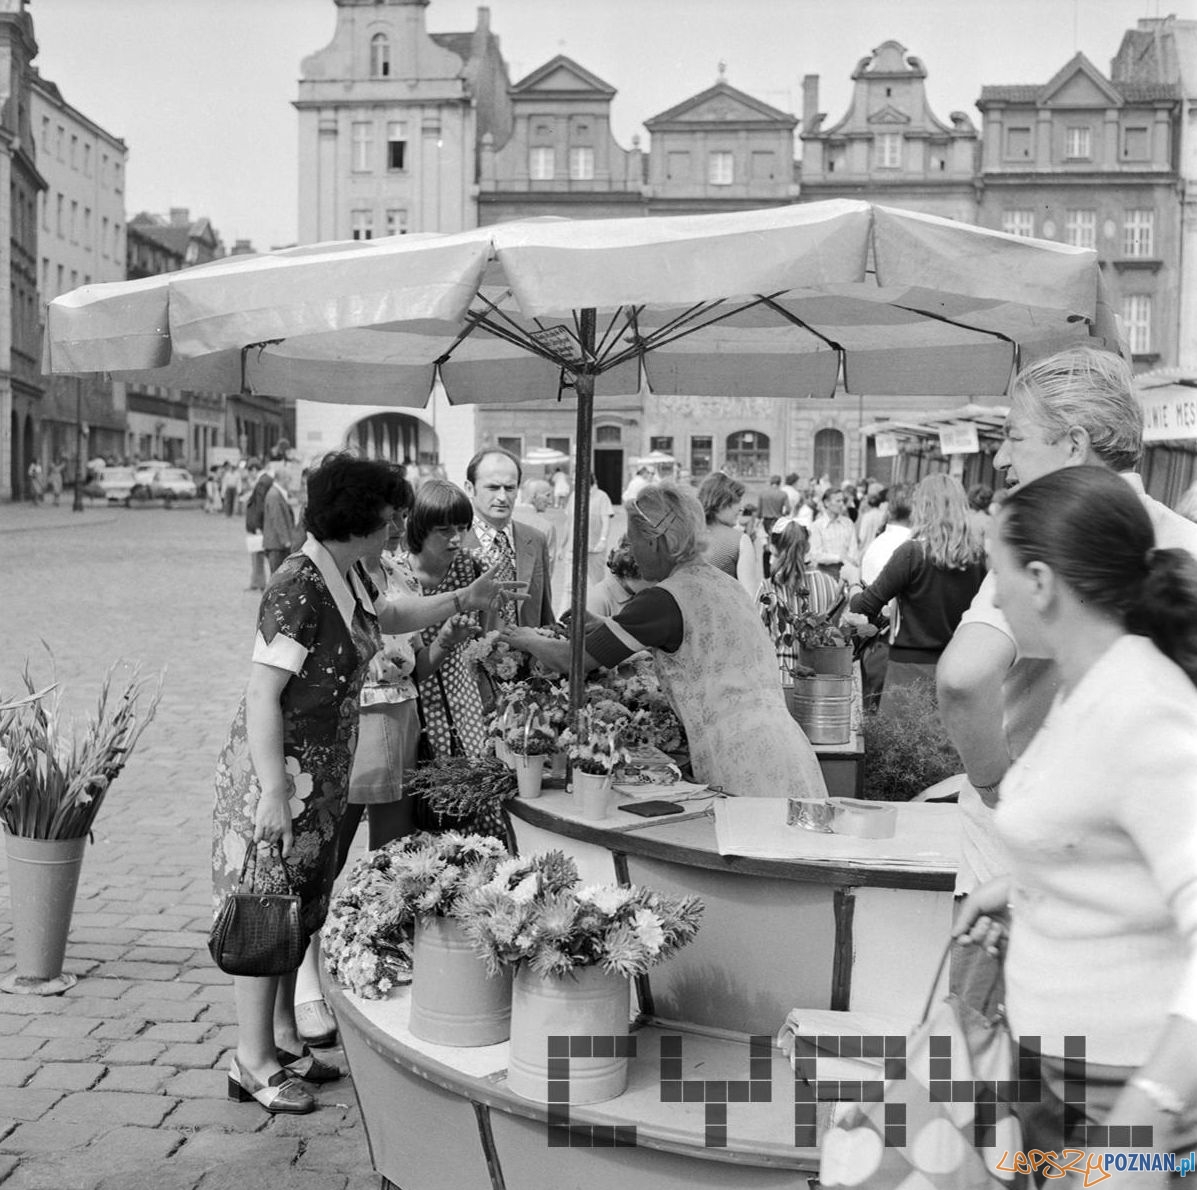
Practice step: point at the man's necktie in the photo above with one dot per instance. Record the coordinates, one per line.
(504, 554)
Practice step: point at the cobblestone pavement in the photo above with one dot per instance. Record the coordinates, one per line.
(120, 1083)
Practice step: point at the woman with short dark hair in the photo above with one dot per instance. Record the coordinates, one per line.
(283, 776)
(1098, 817)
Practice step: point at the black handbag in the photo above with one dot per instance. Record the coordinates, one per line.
(258, 933)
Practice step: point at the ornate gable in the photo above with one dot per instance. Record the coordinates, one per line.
(888, 115)
(719, 104)
(562, 74)
(1079, 84)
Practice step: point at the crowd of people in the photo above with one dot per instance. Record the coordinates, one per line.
(1058, 622)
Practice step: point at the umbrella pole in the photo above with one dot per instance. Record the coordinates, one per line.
(584, 387)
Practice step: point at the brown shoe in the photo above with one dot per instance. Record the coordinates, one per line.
(315, 1024)
(308, 1067)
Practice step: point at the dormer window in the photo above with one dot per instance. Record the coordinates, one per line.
(887, 150)
(1078, 144)
(380, 56)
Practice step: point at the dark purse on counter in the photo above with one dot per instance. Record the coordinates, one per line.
(258, 933)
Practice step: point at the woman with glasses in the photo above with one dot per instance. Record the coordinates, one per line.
(712, 654)
(283, 777)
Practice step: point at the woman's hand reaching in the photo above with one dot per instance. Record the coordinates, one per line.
(487, 591)
(456, 630)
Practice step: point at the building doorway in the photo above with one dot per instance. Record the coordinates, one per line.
(396, 437)
(608, 471)
(829, 456)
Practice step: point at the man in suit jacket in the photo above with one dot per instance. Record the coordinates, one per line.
(492, 480)
(278, 526)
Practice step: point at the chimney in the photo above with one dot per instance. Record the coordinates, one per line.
(180, 217)
(810, 99)
(242, 248)
(483, 25)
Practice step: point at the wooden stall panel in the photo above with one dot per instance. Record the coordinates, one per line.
(899, 936)
(764, 946)
(403, 1112)
(529, 1164)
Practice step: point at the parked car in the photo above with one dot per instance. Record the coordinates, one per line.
(115, 484)
(163, 483)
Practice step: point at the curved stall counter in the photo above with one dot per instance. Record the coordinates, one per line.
(437, 1117)
(821, 921)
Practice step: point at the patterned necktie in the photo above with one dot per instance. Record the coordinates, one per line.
(503, 553)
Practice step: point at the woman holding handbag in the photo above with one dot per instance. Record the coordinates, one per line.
(1099, 816)
(282, 779)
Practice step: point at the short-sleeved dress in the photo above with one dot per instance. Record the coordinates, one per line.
(455, 683)
(300, 628)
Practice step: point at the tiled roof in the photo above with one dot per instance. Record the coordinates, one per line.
(1131, 92)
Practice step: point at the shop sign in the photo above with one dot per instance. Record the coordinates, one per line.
(885, 446)
(959, 440)
(1169, 413)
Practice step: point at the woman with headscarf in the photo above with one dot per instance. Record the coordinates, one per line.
(712, 654)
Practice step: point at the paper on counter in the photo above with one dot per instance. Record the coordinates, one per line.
(927, 836)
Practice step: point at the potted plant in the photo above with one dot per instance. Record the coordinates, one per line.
(574, 951)
(53, 781)
(530, 737)
(823, 645)
(595, 747)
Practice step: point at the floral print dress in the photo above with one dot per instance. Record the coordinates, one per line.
(326, 640)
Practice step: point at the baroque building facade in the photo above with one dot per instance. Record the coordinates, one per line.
(1094, 163)
(81, 239)
(544, 146)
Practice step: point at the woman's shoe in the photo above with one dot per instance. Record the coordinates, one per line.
(308, 1067)
(281, 1093)
(315, 1024)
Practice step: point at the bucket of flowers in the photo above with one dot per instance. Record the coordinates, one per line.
(574, 951)
(595, 748)
(531, 739)
(53, 781)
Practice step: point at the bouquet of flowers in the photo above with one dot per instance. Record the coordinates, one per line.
(547, 697)
(432, 871)
(497, 658)
(555, 931)
(462, 786)
(53, 781)
(652, 721)
(595, 741)
(366, 940)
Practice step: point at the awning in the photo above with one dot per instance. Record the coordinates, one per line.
(958, 431)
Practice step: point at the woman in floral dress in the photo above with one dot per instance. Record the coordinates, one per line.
(283, 776)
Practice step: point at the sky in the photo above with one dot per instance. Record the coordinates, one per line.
(201, 90)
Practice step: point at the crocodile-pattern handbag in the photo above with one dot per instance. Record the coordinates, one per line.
(257, 933)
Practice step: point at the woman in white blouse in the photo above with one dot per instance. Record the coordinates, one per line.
(1099, 815)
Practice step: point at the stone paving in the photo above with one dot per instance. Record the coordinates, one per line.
(120, 1083)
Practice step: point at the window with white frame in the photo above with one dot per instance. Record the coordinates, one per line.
(510, 443)
(721, 169)
(540, 164)
(104, 235)
(46, 133)
(1138, 233)
(87, 161)
(361, 224)
(74, 158)
(116, 176)
(363, 145)
(1078, 142)
(396, 222)
(380, 56)
(887, 150)
(1019, 222)
(581, 164)
(702, 454)
(1080, 228)
(396, 145)
(1136, 319)
(1136, 145)
(74, 221)
(564, 445)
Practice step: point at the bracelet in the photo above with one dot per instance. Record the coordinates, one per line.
(457, 602)
(1162, 1098)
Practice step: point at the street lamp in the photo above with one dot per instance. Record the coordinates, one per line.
(77, 503)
